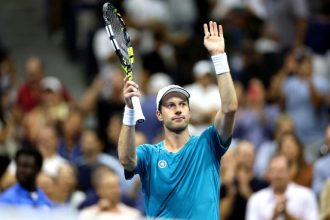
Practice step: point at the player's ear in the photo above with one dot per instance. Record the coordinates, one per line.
(159, 115)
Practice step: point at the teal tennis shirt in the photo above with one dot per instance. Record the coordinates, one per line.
(182, 185)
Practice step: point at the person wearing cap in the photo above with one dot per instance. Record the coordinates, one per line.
(203, 88)
(51, 109)
(180, 175)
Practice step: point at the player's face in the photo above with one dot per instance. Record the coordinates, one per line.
(175, 112)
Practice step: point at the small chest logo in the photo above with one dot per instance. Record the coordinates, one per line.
(162, 164)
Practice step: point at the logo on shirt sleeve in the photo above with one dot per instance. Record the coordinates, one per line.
(162, 164)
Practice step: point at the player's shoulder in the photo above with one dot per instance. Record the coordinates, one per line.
(151, 147)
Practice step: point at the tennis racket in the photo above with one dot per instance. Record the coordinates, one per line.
(120, 40)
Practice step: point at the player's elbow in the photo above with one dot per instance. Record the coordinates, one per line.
(230, 107)
(128, 162)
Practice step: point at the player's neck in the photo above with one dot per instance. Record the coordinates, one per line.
(173, 142)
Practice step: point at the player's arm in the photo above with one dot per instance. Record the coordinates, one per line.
(215, 44)
(126, 141)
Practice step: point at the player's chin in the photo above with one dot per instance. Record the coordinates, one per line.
(177, 127)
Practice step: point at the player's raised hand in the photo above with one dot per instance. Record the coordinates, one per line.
(213, 38)
(130, 89)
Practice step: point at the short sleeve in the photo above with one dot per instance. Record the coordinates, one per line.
(143, 155)
(216, 143)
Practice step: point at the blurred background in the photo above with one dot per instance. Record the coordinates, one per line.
(61, 91)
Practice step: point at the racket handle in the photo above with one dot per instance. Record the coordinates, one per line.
(138, 110)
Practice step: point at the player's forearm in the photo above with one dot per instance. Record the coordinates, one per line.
(126, 147)
(229, 103)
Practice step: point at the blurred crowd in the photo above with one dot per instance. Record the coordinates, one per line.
(60, 151)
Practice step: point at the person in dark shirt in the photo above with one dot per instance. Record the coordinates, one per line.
(236, 190)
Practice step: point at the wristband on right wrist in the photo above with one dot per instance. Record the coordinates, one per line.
(129, 117)
(220, 63)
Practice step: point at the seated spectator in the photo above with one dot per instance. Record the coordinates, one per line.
(203, 88)
(112, 134)
(267, 149)
(102, 99)
(325, 202)
(29, 92)
(25, 192)
(235, 193)
(307, 105)
(321, 166)
(69, 146)
(256, 113)
(91, 158)
(301, 172)
(152, 128)
(66, 187)
(47, 141)
(283, 199)
(109, 205)
(51, 109)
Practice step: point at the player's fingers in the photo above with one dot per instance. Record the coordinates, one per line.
(131, 83)
(215, 28)
(220, 31)
(206, 30)
(211, 28)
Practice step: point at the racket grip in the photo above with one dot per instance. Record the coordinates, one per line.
(139, 117)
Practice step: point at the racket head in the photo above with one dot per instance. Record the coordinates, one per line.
(119, 37)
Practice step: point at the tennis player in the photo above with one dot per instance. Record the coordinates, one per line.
(180, 175)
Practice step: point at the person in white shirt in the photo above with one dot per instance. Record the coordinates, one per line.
(47, 139)
(282, 199)
(205, 99)
(109, 205)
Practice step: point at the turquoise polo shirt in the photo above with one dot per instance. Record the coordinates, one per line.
(185, 184)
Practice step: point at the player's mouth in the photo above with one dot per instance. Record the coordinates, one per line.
(177, 118)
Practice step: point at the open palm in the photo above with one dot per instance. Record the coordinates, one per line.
(213, 38)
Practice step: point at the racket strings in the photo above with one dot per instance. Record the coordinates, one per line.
(119, 32)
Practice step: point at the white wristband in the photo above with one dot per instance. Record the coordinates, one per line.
(220, 63)
(129, 117)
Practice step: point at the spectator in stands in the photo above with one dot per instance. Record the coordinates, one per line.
(235, 193)
(29, 92)
(152, 128)
(66, 184)
(103, 98)
(256, 112)
(25, 192)
(283, 198)
(91, 158)
(203, 88)
(269, 148)
(52, 109)
(69, 146)
(321, 166)
(47, 141)
(301, 172)
(109, 206)
(306, 105)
